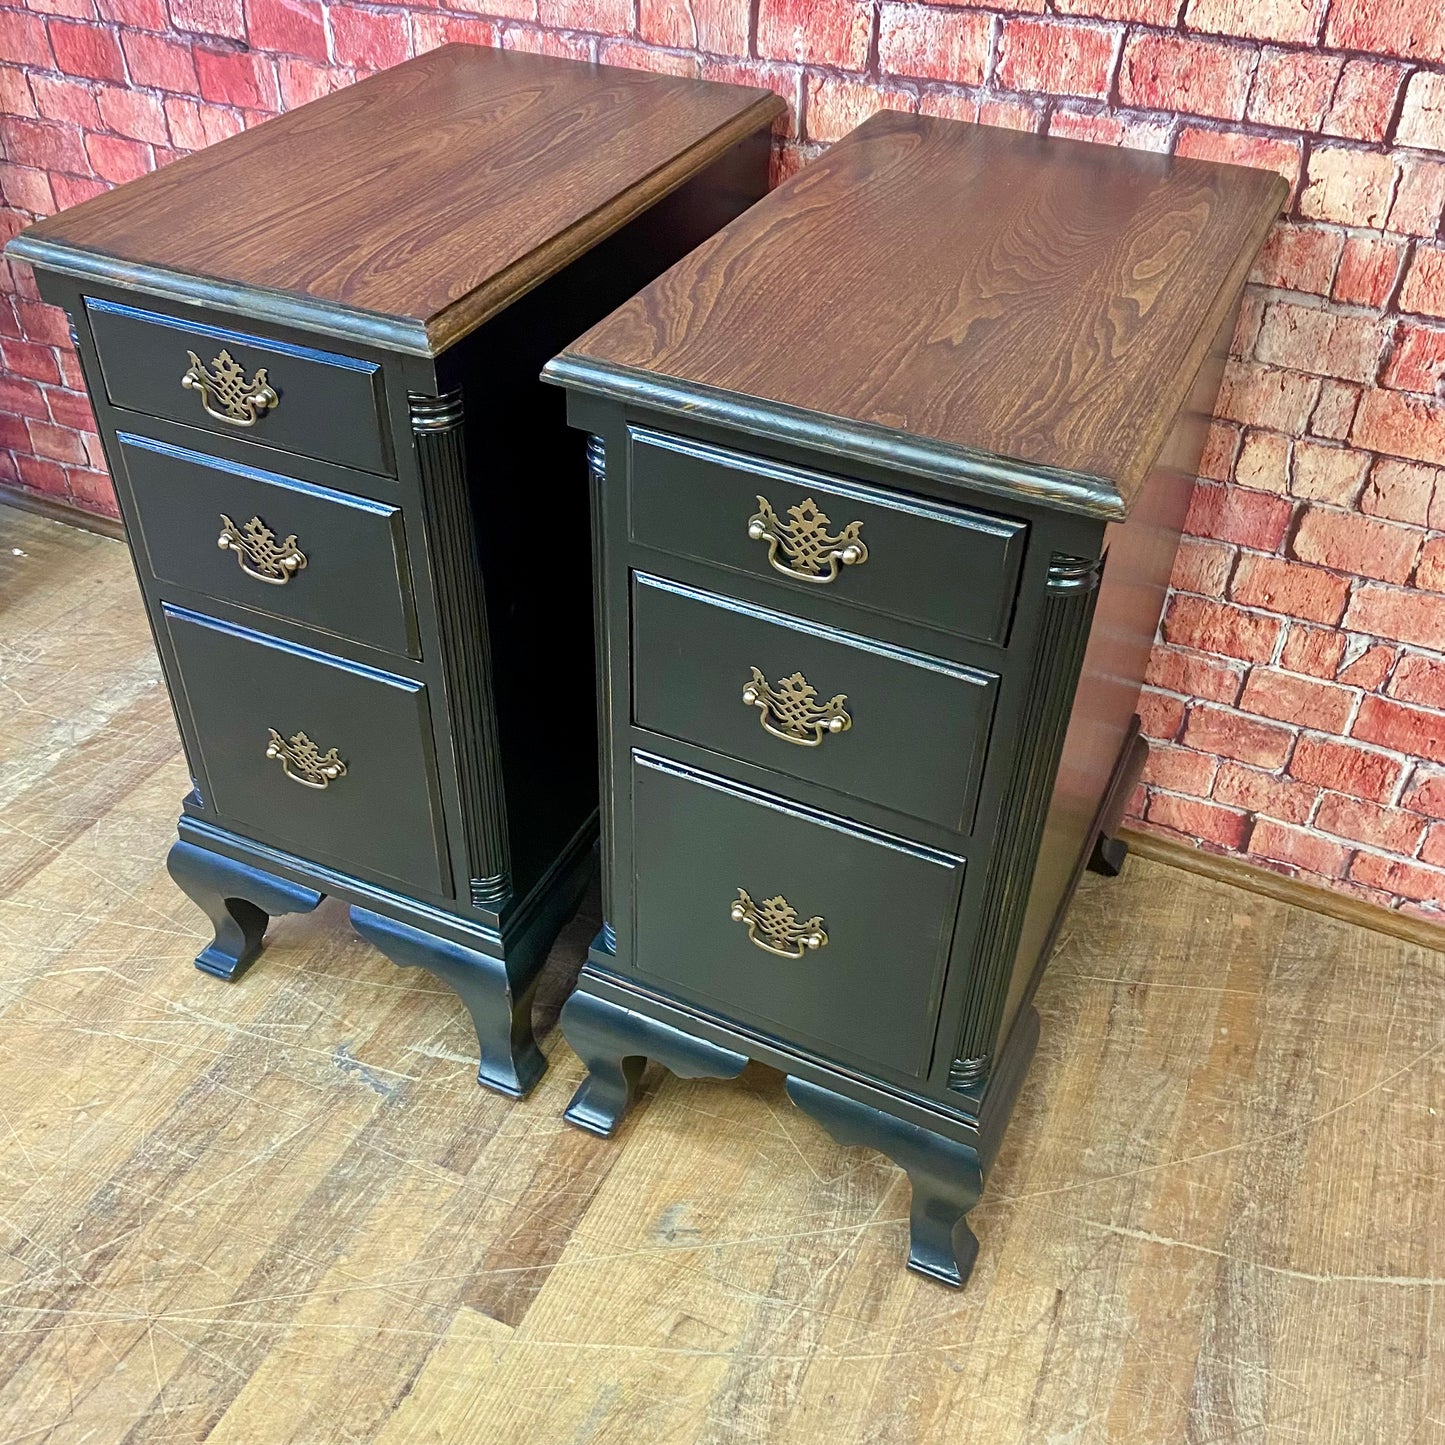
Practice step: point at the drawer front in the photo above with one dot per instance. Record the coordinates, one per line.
(870, 991)
(897, 728)
(314, 556)
(249, 695)
(315, 403)
(945, 567)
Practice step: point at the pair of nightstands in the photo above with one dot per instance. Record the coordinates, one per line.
(886, 481)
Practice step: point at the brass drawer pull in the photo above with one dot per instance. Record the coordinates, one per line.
(239, 402)
(773, 926)
(303, 762)
(799, 718)
(258, 554)
(812, 554)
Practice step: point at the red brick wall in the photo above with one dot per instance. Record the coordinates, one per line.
(1298, 691)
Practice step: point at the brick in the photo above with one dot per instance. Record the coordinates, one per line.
(72, 190)
(159, 63)
(1323, 472)
(1351, 187)
(1394, 875)
(1144, 12)
(1422, 118)
(1160, 716)
(1288, 697)
(1417, 362)
(22, 398)
(782, 80)
(1246, 327)
(1266, 396)
(71, 101)
(1320, 341)
(290, 27)
(1200, 820)
(1402, 425)
(1202, 567)
(1235, 514)
(55, 442)
(1194, 674)
(1361, 772)
(428, 32)
(1407, 28)
(301, 81)
(1433, 851)
(238, 77)
(950, 104)
(1230, 734)
(1179, 73)
(1426, 793)
(718, 26)
(1292, 20)
(836, 105)
(1059, 59)
(1011, 114)
(1334, 412)
(1420, 680)
(1242, 148)
(1216, 462)
(88, 50)
(36, 363)
(1293, 88)
(134, 114)
(605, 17)
(933, 44)
(609, 52)
(1400, 727)
(367, 41)
(1259, 792)
(27, 188)
(1424, 288)
(194, 126)
(116, 159)
(1287, 844)
(1414, 617)
(1180, 770)
(1367, 271)
(1366, 664)
(1315, 650)
(1431, 572)
(138, 14)
(1289, 588)
(210, 17)
(15, 96)
(1364, 100)
(39, 475)
(548, 42)
(1299, 258)
(1263, 461)
(23, 40)
(1419, 196)
(47, 145)
(72, 409)
(817, 32)
(1361, 545)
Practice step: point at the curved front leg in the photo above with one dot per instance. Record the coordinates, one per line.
(946, 1177)
(615, 1044)
(511, 1063)
(238, 899)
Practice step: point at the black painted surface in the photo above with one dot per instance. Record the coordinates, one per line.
(356, 583)
(380, 819)
(328, 405)
(947, 567)
(919, 726)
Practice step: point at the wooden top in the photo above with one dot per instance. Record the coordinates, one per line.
(1010, 310)
(407, 209)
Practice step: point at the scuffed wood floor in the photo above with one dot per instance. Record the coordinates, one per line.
(282, 1211)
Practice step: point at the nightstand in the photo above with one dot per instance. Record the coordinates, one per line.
(358, 519)
(888, 478)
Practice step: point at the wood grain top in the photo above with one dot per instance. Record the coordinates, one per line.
(954, 299)
(410, 207)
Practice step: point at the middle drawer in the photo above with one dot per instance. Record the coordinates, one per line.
(896, 728)
(344, 570)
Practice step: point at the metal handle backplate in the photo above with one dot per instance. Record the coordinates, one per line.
(303, 762)
(791, 710)
(226, 395)
(810, 552)
(774, 927)
(259, 554)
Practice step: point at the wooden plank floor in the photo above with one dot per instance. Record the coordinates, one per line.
(282, 1211)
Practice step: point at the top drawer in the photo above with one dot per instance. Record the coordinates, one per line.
(946, 567)
(315, 403)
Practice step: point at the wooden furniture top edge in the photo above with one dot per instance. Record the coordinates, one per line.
(655, 131)
(1284, 889)
(689, 329)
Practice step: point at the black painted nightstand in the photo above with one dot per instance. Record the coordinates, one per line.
(888, 478)
(358, 519)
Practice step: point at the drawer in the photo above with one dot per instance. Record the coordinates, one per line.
(325, 559)
(315, 403)
(878, 910)
(896, 728)
(946, 567)
(270, 718)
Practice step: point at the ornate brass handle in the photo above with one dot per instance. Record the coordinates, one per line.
(303, 762)
(812, 554)
(259, 554)
(773, 926)
(238, 402)
(796, 715)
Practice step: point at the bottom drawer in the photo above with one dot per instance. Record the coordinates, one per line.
(316, 754)
(808, 926)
